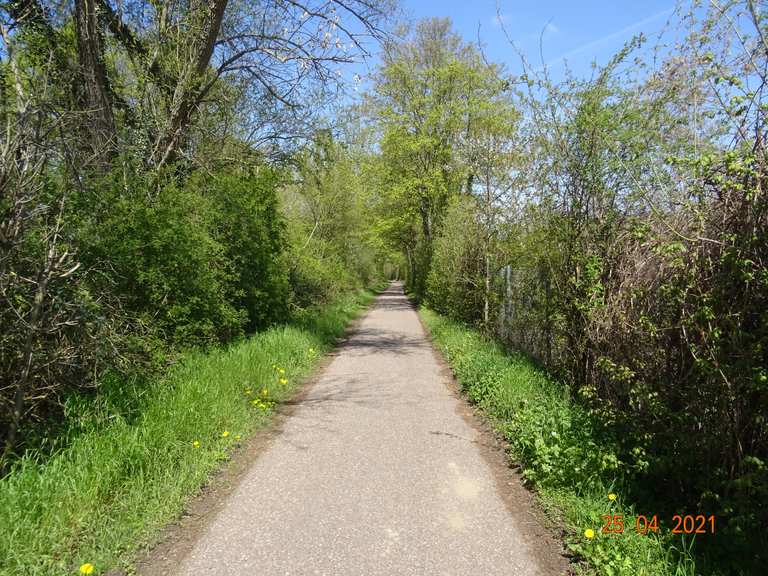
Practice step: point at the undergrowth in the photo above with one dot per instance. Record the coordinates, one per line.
(128, 473)
(568, 456)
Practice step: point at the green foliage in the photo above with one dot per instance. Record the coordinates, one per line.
(249, 224)
(333, 247)
(132, 463)
(455, 280)
(165, 261)
(316, 280)
(645, 296)
(139, 184)
(175, 263)
(431, 88)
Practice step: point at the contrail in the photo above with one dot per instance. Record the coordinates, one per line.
(611, 36)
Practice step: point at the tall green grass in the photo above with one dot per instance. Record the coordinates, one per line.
(115, 485)
(564, 451)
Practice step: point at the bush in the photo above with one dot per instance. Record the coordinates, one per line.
(55, 335)
(250, 227)
(663, 336)
(158, 251)
(455, 280)
(315, 280)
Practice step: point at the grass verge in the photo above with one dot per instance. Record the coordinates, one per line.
(114, 487)
(564, 452)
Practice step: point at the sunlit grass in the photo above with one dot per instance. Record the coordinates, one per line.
(91, 505)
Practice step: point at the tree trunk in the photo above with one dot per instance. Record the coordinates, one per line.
(411, 267)
(189, 91)
(426, 224)
(487, 291)
(94, 92)
(489, 228)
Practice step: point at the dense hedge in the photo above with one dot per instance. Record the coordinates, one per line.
(160, 265)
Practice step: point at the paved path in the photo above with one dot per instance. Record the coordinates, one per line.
(375, 473)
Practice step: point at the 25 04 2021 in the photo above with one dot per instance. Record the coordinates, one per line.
(681, 524)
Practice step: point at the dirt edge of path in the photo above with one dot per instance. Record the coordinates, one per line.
(543, 534)
(174, 542)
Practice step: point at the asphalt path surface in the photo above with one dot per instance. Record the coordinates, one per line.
(376, 472)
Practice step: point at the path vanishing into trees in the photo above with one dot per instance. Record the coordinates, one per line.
(380, 469)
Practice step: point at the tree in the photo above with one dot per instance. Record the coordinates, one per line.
(492, 156)
(157, 63)
(332, 244)
(95, 98)
(118, 241)
(423, 94)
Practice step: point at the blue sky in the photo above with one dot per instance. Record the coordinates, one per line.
(581, 31)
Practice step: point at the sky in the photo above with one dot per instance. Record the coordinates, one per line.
(576, 31)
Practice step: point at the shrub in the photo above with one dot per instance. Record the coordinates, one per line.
(316, 279)
(455, 280)
(250, 227)
(158, 252)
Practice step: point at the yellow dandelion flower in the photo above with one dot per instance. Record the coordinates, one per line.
(283, 381)
(264, 391)
(86, 568)
(589, 533)
(281, 370)
(225, 434)
(311, 350)
(611, 496)
(196, 444)
(248, 391)
(237, 437)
